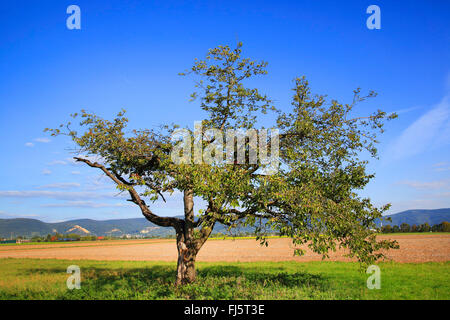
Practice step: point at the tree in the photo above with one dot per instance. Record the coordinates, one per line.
(386, 229)
(311, 197)
(414, 228)
(436, 227)
(425, 227)
(404, 227)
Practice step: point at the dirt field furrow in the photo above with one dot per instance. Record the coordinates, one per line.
(413, 248)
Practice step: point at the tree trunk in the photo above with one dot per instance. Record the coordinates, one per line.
(189, 245)
(186, 244)
(186, 272)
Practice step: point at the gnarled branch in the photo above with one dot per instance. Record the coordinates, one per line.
(135, 198)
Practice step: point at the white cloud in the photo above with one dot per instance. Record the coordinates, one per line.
(42, 140)
(46, 172)
(61, 195)
(86, 204)
(406, 110)
(7, 215)
(431, 130)
(438, 184)
(442, 166)
(72, 161)
(62, 185)
(99, 182)
(445, 195)
(57, 162)
(75, 172)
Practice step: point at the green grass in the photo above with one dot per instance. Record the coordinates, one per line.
(46, 279)
(22, 244)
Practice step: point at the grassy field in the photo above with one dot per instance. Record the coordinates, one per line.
(46, 279)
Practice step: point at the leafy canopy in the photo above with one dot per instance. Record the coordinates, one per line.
(313, 196)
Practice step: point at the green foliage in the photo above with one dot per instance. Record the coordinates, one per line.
(313, 198)
(221, 90)
(404, 227)
(442, 227)
(425, 227)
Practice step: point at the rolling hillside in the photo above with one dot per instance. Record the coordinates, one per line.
(141, 226)
(118, 227)
(417, 217)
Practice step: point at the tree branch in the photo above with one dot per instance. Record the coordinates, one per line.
(135, 198)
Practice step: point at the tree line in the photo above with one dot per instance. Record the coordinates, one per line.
(424, 227)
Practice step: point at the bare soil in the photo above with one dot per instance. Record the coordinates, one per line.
(413, 248)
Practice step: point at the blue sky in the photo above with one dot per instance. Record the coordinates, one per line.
(128, 53)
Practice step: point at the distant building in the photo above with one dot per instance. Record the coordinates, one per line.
(23, 240)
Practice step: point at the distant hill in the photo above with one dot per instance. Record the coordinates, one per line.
(23, 227)
(117, 227)
(141, 226)
(420, 216)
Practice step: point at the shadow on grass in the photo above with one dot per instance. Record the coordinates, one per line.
(284, 279)
(157, 282)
